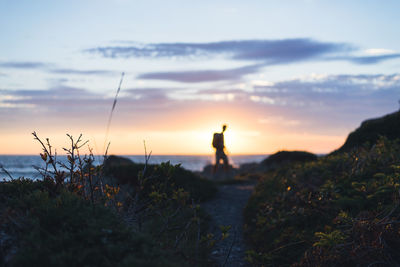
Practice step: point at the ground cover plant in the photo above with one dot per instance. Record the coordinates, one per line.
(80, 214)
(341, 209)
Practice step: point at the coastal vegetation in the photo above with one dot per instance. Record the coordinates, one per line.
(306, 210)
(117, 213)
(341, 209)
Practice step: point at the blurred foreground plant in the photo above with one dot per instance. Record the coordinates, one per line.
(338, 210)
(155, 205)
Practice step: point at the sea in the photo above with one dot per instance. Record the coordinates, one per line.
(26, 165)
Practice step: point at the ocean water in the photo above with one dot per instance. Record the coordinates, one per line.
(23, 166)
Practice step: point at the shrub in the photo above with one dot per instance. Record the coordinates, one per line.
(76, 216)
(127, 172)
(297, 206)
(65, 230)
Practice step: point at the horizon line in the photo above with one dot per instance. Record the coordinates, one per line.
(211, 154)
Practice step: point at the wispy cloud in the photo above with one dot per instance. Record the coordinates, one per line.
(332, 95)
(61, 99)
(379, 51)
(268, 51)
(82, 72)
(202, 75)
(261, 53)
(373, 59)
(23, 65)
(318, 101)
(52, 68)
(329, 90)
(67, 100)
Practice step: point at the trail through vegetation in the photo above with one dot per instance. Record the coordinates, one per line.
(226, 209)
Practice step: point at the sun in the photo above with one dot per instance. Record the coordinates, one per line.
(231, 140)
(236, 139)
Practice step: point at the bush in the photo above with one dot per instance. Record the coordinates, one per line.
(76, 216)
(65, 230)
(127, 172)
(292, 204)
(283, 157)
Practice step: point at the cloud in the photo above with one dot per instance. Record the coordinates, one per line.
(51, 68)
(201, 75)
(60, 92)
(23, 65)
(319, 103)
(379, 51)
(59, 100)
(340, 85)
(268, 51)
(334, 94)
(82, 72)
(317, 96)
(373, 59)
(71, 100)
(64, 107)
(343, 92)
(262, 53)
(148, 94)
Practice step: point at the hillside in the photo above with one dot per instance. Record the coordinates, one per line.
(340, 209)
(370, 130)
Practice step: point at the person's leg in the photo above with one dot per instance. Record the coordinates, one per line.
(217, 159)
(226, 162)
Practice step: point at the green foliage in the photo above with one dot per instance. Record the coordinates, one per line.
(329, 240)
(65, 230)
(128, 172)
(77, 216)
(317, 206)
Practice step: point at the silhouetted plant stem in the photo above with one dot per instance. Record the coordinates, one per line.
(112, 111)
(6, 172)
(52, 159)
(89, 164)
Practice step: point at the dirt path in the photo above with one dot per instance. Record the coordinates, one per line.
(227, 209)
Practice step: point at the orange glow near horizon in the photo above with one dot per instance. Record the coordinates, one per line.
(196, 142)
(188, 132)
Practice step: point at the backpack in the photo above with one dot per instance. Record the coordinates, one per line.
(218, 140)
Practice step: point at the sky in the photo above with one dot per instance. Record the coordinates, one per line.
(294, 75)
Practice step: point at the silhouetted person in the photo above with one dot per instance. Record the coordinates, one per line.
(218, 144)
